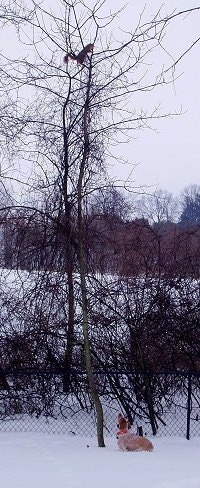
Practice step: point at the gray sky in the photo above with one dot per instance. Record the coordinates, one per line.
(168, 154)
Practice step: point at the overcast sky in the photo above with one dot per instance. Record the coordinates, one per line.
(167, 156)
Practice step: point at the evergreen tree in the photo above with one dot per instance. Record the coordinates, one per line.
(191, 206)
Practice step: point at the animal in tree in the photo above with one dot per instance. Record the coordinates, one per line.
(80, 57)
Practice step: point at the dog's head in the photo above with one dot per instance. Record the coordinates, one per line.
(123, 425)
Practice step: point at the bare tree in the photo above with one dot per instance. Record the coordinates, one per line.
(158, 207)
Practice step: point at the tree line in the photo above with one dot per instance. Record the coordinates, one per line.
(148, 234)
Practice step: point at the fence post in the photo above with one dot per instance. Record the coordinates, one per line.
(189, 404)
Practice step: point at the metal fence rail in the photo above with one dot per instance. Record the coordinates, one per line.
(38, 401)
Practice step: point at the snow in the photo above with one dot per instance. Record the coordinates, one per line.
(35, 460)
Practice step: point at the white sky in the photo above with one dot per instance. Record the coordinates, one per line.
(31, 460)
(167, 156)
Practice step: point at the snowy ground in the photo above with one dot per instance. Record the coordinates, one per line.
(32, 460)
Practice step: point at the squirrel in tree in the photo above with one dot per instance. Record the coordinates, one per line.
(81, 57)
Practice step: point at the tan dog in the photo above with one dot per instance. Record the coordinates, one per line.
(128, 441)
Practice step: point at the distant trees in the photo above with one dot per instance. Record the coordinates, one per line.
(190, 214)
(115, 240)
(158, 207)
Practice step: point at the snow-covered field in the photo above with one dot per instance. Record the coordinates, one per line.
(51, 460)
(33, 460)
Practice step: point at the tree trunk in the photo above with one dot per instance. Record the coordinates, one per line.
(82, 269)
(69, 261)
(88, 360)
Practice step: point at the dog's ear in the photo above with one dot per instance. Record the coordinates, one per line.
(120, 416)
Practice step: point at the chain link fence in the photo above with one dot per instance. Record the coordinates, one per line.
(163, 404)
